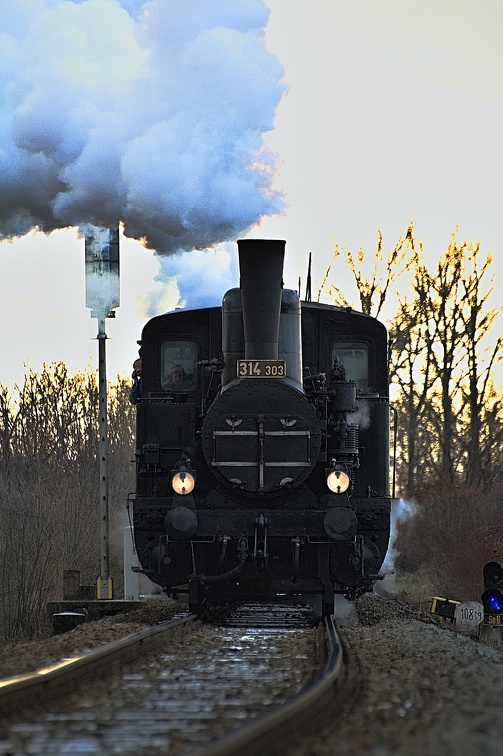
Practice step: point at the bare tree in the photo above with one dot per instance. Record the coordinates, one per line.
(478, 318)
(413, 384)
(373, 287)
(443, 363)
(49, 487)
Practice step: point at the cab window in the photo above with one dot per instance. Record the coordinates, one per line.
(355, 358)
(178, 365)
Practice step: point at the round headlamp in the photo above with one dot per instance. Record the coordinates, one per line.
(183, 482)
(338, 481)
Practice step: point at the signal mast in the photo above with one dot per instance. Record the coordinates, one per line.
(102, 296)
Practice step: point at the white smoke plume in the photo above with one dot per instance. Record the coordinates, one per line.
(401, 510)
(149, 113)
(361, 416)
(201, 279)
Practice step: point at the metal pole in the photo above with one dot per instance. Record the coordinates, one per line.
(104, 586)
(102, 296)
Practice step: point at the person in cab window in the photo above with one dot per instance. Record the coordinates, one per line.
(135, 390)
(178, 379)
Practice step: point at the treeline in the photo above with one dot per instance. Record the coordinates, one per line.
(49, 489)
(445, 344)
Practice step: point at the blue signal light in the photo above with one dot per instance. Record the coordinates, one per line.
(492, 600)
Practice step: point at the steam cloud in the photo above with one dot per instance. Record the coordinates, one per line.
(401, 510)
(361, 416)
(145, 112)
(200, 278)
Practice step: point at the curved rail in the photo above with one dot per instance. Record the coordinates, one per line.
(65, 675)
(284, 723)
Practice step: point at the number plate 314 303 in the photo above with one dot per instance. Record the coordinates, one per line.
(261, 368)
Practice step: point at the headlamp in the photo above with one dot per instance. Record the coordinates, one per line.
(183, 482)
(338, 479)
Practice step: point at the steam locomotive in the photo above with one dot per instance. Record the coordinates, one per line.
(262, 457)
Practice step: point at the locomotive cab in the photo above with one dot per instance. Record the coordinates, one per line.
(263, 446)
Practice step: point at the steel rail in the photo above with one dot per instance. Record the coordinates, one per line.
(285, 723)
(36, 687)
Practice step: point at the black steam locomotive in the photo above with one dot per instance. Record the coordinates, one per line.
(263, 446)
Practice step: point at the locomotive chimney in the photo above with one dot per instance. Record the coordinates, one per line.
(261, 274)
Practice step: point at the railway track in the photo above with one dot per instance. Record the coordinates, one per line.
(183, 685)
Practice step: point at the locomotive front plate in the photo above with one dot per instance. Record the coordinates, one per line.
(261, 368)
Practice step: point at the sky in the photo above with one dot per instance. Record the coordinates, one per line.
(195, 124)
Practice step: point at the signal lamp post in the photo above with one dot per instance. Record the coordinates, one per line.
(102, 295)
(492, 598)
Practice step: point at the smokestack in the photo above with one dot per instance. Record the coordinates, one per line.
(261, 281)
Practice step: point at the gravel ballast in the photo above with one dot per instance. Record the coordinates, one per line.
(23, 657)
(422, 687)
